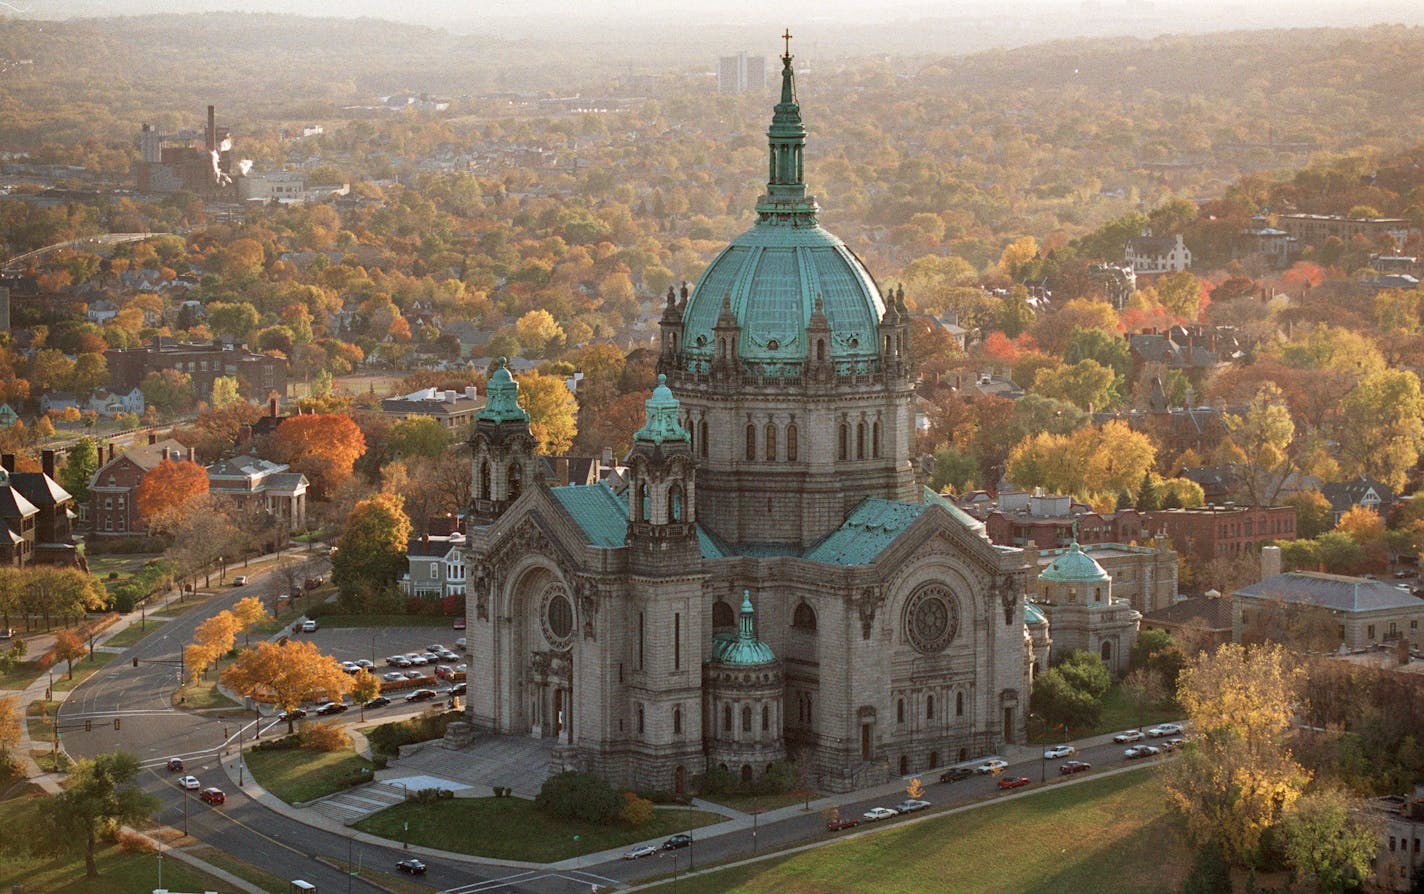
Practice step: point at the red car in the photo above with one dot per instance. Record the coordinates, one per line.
(838, 824)
(459, 624)
(1013, 781)
(213, 795)
(1068, 768)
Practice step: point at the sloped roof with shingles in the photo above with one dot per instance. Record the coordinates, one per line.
(1333, 591)
(1214, 613)
(599, 512)
(872, 526)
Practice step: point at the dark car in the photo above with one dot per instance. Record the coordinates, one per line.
(421, 695)
(175, 765)
(412, 866)
(677, 841)
(330, 708)
(954, 774)
(379, 701)
(1013, 781)
(213, 795)
(1068, 768)
(294, 714)
(840, 823)
(459, 688)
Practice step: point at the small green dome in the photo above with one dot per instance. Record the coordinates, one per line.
(743, 650)
(502, 397)
(661, 423)
(1033, 615)
(1074, 567)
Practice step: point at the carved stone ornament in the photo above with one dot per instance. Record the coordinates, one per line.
(931, 618)
(587, 592)
(1008, 589)
(868, 603)
(482, 584)
(556, 617)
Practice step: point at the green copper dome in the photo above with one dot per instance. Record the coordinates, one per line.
(662, 424)
(1033, 615)
(502, 397)
(1074, 567)
(743, 650)
(772, 276)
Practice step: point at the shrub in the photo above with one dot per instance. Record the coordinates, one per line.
(324, 737)
(718, 781)
(388, 737)
(582, 796)
(134, 843)
(286, 743)
(780, 777)
(636, 811)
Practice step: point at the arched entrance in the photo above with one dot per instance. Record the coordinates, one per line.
(541, 656)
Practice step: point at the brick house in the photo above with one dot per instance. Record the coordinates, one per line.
(1019, 518)
(113, 489)
(1224, 531)
(204, 362)
(249, 481)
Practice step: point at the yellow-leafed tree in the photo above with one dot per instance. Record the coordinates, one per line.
(286, 675)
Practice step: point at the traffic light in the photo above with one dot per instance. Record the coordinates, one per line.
(116, 724)
(135, 661)
(88, 726)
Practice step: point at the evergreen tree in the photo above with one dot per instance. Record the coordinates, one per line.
(1148, 498)
(1208, 874)
(79, 467)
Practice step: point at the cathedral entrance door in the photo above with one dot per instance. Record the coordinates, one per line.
(867, 738)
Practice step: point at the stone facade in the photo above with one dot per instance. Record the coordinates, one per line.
(773, 471)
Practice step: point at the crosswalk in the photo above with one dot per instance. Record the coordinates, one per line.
(578, 877)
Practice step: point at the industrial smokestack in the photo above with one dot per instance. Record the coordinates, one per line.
(212, 136)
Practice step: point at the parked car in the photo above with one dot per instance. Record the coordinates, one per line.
(680, 840)
(212, 796)
(1138, 751)
(461, 644)
(294, 714)
(954, 774)
(365, 664)
(459, 688)
(444, 672)
(189, 782)
(309, 627)
(175, 765)
(1173, 744)
(1068, 768)
(414, 675)
(1013, 782)
(412, 866)
(1162, 730)
(421, 695)
(1132, 735)
(435, 649)
(459, 623)
(392, 676)
(379, 701)
(875, 814)
(993, 765)
(331, 708)
(911, 805)
(350, 667)
(240, 580)
(839, 823)
(641, 851)
(1057, 751)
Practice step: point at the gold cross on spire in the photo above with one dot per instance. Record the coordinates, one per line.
(787, 37)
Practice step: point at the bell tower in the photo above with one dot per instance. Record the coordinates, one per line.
(502, 447)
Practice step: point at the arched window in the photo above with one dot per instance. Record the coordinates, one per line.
(722, 348)
(875, 439)
(770, 441)
(674, 507)
(640, 720)
(677, 721)
(484, 493)
(804, 618)
(722, 615)
(934, 758)
(959, 704)
(751, 441)
(844, 451)
(726, 718)
(746, 772)
(765, 718)
(900, 711)
(516, 480)
(820, 349)
(746, 718)
(702, 437)
(791, 444)
(1107, 653)
(645, 505)
(860, 440)
(904, 764)
(929, 707)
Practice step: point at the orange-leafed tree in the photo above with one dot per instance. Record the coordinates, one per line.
(68, 646)
(286, 675)
(322, 446)
(214, 638)
(169, 485)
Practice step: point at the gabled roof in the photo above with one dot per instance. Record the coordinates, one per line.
(14, 505)
(147, 456)
(39, 488)
(1345, 494)
(599, 512)
(1215, 614)
(1332, 591)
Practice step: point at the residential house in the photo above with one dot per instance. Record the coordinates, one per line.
(38, 516)
(437, 566)
(454, 410)
(1271, 245)
(1050, 521)
(1361, 491)
(113, 489)
(248, 481)
(102, 311)
(8, 416)
(1150, 255)
(1399, 864)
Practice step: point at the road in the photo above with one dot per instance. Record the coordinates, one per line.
(150, 727)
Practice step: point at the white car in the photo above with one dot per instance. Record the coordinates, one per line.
(1058, 751)
(190, 782)
(992, 766)
(641, 851)
(1138, 751)
(309, 627)
(1132, 735)
(1162, 730)
(460, 644)
(875, 814)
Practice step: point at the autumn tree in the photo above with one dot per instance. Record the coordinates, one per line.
(1239, 778)
(168, 486)
(1382, 427)
(364, 687)
(322, 446)
(1095, 463)
(553, 413)
(538, 332)
(418, 436)
(224, 392)
(1313, 513)
(80, 464)
(97, 796)
(200, 533)
(68, 646)
(1086, 384)
(58, 592)
(1264, 433)
(250, 612)
(1362, 525)
(373, 548)
(916, 788)
(286, 675)
(168, 390)
(11, 715)
(1327, 838)
(213, 639)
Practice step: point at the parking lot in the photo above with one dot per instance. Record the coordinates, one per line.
(375, 644)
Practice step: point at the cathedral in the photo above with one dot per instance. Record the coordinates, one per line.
(769, 582)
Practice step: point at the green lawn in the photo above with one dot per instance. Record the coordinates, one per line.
(385, 621)
(297, 775)
(22, 674)
(119, 872)
(84, 668)
(511, 829)
(1111, 834)
(1118, 713)
(130, 635)
(240, 868)
(759, 803)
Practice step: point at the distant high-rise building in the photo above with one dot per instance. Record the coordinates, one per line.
(740, 73)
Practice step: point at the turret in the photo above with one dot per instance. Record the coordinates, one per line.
(502, 448)
(727, 334)
(662, 493)
(670, 327)
(819, 367)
